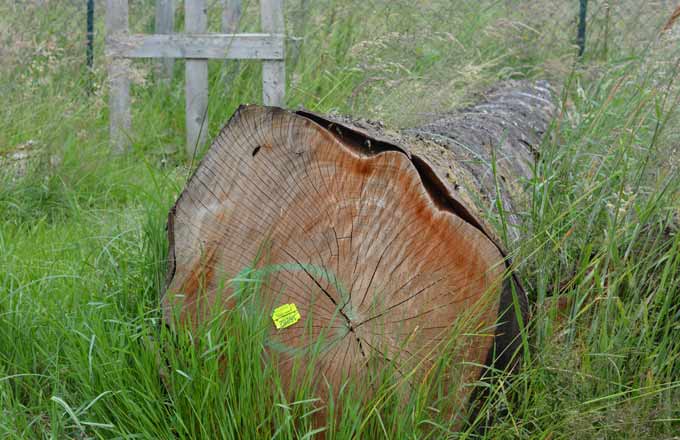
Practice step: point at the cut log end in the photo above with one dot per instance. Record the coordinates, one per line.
(356, 236)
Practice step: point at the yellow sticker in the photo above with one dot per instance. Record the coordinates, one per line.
(285, 316)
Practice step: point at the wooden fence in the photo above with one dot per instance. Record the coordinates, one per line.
(197, 47)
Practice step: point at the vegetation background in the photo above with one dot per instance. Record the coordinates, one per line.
(82, 233)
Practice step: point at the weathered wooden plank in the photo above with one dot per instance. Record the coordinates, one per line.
(231, 16)
(200, 46)
(273, 72)
(299, 25)
(120, 123)
(165, 24)
(196, 21)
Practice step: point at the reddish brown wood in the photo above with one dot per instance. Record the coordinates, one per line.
(382, 255)
(671, 20)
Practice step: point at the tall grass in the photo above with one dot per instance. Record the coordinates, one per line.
(83, 353)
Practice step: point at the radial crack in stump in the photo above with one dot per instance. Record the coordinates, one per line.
(379, 257)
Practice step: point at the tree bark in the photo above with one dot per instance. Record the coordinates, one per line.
(381, 239)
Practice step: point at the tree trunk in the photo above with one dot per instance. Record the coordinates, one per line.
(381, 239)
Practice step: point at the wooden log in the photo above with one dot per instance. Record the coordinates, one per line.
(196, 87)
(379, 238)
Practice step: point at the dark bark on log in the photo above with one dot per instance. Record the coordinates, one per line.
(381, 238)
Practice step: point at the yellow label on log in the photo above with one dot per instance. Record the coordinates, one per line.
(285, 316)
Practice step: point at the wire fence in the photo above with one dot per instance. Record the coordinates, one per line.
(429, 53)
(590, 27)
(628, 25)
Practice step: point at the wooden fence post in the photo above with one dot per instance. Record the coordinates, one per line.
(273, 71)
(299, 25)
(196, 22)
(231, 18)
(119, 82)
(165, 24)
(197, 47)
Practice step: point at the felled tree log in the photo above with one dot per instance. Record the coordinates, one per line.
(381, 239)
